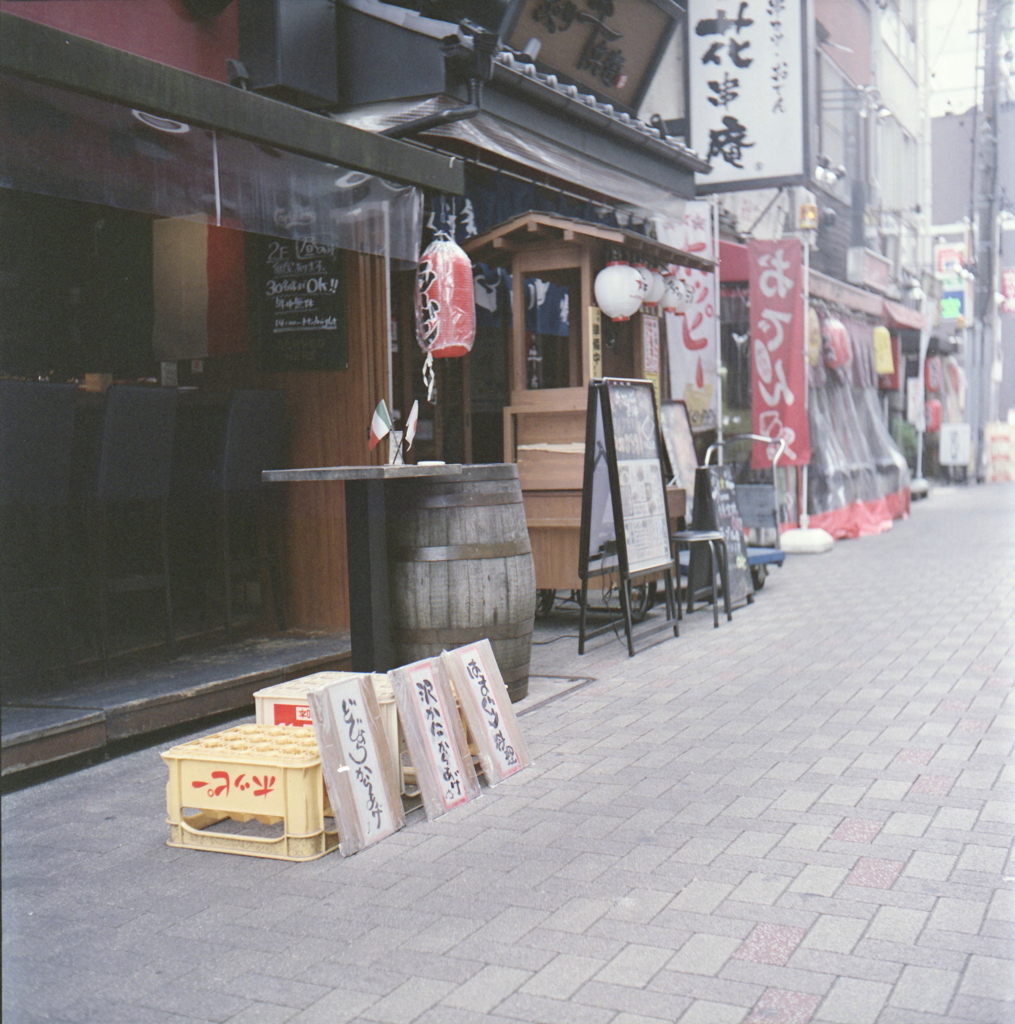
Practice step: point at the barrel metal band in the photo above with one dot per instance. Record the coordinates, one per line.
(465, 634)
(462, 500)
(462, 552)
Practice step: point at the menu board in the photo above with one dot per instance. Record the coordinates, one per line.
(622, 442)
(715, 508)
(298, 293)
(679, 441)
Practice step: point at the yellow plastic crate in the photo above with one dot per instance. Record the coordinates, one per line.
(266, 773)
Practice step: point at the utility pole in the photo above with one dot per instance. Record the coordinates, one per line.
(985, 189)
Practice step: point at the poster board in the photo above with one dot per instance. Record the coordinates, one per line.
(356, 763)
(434, 736)
(299, 304)
(624, 482)
(483, 698)
(715, 508)
(679, 441)
(625, 526)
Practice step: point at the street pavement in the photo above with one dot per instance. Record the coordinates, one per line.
(803, 816)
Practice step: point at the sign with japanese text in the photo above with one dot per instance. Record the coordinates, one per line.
(748, 99)
(610, 48)
(778, 381)
(483, 697)
(356, 762)
(433, 733)
(692, 337)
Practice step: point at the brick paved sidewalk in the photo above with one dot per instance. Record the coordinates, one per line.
(804, 816)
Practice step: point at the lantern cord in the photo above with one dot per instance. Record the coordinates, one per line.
(428, 377)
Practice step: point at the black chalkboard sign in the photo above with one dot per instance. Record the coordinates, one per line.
(715, 508)
(298, 292)
(624, 528)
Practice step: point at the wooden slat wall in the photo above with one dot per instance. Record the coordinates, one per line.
(327, 420)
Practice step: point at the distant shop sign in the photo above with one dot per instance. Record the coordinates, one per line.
(611, 49)
(747, 79)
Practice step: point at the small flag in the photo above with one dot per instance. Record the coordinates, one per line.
(380, 425)
(410, 424)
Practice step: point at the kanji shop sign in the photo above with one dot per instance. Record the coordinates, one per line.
(747, 75)
(778, 381)
(609, 47)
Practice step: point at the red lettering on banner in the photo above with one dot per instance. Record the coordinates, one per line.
(778, 380)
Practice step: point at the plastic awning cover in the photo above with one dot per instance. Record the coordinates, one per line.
(853, 457)
(73, 146)
(489, 133)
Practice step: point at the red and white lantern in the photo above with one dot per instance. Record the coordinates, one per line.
(620, 290)
(445, 301)
(838, 350)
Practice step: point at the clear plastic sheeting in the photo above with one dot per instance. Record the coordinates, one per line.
(858, 481)
(73, 146)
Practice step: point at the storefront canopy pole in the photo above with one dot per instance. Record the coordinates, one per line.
(53, 57)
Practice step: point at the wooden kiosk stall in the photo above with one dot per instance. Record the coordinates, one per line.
(559, 341)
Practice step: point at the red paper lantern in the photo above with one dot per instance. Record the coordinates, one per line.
(838, 350)
(445, 301)
(932, 415)
(932, 373)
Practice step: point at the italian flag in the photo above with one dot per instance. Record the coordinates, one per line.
(380, 425)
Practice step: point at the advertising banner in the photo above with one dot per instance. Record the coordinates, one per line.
(692, 337)
(778, 381)
(748, 73)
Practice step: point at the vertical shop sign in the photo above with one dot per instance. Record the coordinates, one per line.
(748, 74)
(778, 405)
(692, 336)
(650, 352)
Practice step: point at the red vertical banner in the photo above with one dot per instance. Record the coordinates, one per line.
(778, 380)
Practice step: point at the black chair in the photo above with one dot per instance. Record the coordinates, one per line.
(252, 443)
(36, 439)
(134, 465)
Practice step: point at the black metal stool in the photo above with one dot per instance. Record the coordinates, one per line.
(716, 553)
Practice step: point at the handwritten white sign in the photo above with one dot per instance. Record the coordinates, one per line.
(434, 735)
(484, 700)
(356, 763)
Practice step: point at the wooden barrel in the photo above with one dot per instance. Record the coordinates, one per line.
(460, 568)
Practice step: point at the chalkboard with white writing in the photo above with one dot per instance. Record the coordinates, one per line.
(715, 508)
(299, 302)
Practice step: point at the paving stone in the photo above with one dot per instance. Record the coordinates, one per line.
(989, 978)
(856, 830)
(778, 1006)
(834, 934)
(770, 944)
(852, 1001)
(703, 954)
(635, 966)
(703, 1012)
(953, 915)
(874, 873)
(934, 866)
(701, 897)
(819, 880)
(922, 988)
(760, 888)
(483, 991)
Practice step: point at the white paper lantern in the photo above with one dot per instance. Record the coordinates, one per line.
(654, 284)
(675, 299)
(619, 290)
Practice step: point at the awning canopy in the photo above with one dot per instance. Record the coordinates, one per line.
(518, 233)
(898, 315)
(487, 133)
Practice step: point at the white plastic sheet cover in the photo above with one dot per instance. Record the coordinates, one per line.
(853, 457)
(65, 144)
(432, 727)
(356, 762)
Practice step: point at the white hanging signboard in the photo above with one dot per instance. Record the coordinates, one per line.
(434, 735)
(483, 697)
(356, 763)
(748, 92)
